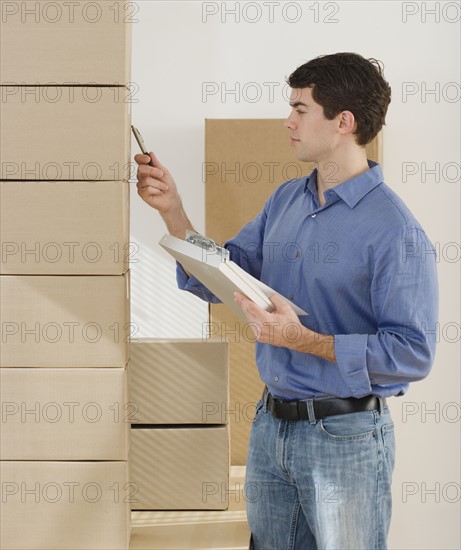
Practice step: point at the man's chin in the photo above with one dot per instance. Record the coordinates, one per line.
(302, 157)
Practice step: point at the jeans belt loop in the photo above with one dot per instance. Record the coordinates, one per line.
(264, 398)
(381, 405)
(310, 411)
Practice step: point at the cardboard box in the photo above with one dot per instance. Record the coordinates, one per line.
(180, 468)
(65, 321)
(197, 529)
(64, 228)
(194, 530)
(65, 505)
(245, 383)
(245, 161)
(65, 133)
(64, 414)
(179, 381)
(66, 42)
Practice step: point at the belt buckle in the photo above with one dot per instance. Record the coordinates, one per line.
(285, 410)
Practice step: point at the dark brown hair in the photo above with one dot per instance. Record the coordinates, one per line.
(347, 82)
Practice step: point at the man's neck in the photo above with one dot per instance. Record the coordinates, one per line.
(339, 169)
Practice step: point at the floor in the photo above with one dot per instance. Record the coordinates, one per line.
(195, 530)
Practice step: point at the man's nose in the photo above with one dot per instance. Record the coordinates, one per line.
(288, 123)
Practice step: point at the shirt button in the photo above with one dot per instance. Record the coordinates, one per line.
(276, 378)
(313, 215)
(291, 297)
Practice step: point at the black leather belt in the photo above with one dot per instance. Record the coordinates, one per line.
(328, 406)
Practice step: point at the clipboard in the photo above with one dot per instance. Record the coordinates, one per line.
(212, 266)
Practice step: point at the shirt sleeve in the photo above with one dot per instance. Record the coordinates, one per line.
(245, 249)
(194, 286)
(404, 296)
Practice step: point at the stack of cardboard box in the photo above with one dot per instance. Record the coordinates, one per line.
(64, 277)
(180, 441)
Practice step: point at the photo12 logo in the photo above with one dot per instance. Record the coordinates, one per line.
(249, 172)
(245, 92)
(68, 92)
(71, 252)
(270, 12)
(68, 12)
(431, 92)
(431, 412)
(435, 12)
(69, 412)
(214, 412)
(67, 171)
(69, 332)
(448, 172)
(67, 492)
(267, 491)
(435, 492)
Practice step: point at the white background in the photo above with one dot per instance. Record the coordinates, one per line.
(180, 46)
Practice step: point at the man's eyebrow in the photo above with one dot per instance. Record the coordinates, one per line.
(298, 104)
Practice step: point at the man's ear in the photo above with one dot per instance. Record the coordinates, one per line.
(347, 123)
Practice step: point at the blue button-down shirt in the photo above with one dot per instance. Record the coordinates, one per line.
(364, 270)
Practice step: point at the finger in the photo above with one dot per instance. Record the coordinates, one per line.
(242, 300)
(251, 310)
(149, 191)
(280, 305)
(156, 162)
(142, 159)
(151, 182)
(144, 170)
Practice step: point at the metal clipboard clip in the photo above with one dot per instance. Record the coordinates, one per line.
(207, 244)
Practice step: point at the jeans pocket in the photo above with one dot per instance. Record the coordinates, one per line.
(350, 426)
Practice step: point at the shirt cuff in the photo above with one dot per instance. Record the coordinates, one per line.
(181, 276)
(351, 359)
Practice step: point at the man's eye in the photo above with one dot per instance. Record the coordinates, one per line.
(299, 112)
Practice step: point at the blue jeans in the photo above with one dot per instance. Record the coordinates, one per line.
(320, 484)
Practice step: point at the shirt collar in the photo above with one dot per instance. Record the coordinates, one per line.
(352, 190)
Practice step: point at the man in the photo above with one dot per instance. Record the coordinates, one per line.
(321, 452)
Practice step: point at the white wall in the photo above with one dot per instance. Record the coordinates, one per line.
(177, 48)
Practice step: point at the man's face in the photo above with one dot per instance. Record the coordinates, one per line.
(313, 137)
